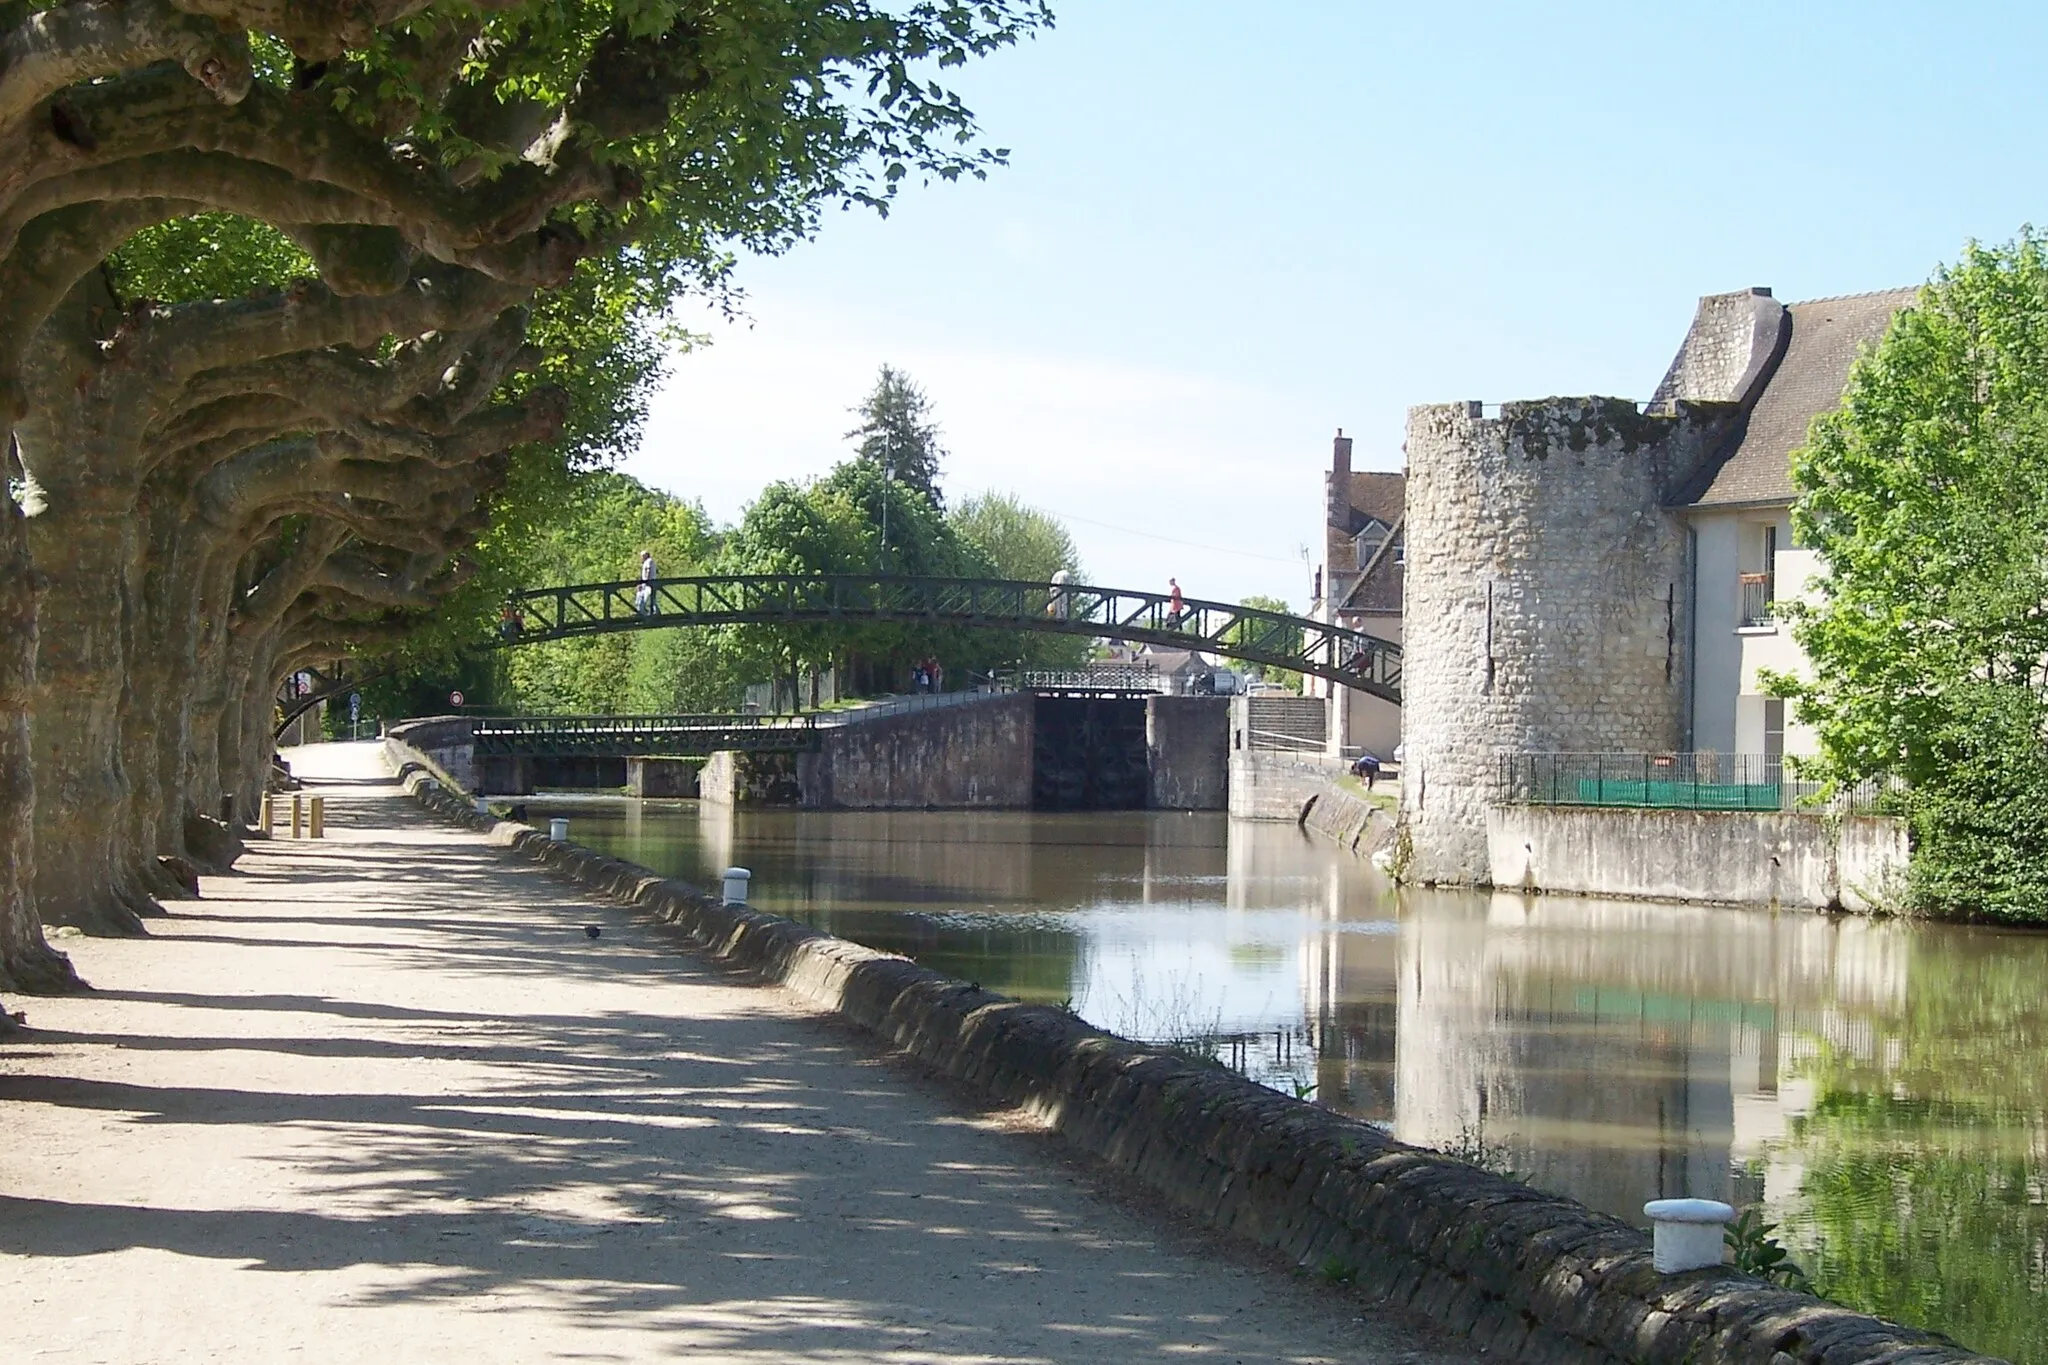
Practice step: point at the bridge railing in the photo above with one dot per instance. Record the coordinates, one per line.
(1107, 678)
(648, 735)
(896, 706)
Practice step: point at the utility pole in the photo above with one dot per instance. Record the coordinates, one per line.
(888, 470)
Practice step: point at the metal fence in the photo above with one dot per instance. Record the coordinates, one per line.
(1677, 781)
(1138, 677)
(1689, 781)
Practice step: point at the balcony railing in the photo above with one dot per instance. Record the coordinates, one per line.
(1759, 598)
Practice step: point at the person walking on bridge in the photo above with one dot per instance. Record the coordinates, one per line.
(643, 596)
(1176, 608)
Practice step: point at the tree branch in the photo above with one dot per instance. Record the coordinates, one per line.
(66, 45)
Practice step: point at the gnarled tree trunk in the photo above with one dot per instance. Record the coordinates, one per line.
(27, 962)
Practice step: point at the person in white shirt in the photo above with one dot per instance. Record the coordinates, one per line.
(643, 596)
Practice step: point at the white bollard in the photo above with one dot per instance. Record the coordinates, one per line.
(558, 829)
(1687, 1233)
(736, 879)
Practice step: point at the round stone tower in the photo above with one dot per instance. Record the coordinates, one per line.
(1546, 603)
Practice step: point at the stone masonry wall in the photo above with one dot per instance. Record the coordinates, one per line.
(731, 778)
(1527, 1276)
(976, 754)
(1187, 740)
(449, 740)
(1733, 340)
(1546, 606)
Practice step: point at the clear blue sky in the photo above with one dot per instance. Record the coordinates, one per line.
(1228, 230)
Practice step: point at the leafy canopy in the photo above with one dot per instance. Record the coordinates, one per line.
(1925, 497)
(1020, 541)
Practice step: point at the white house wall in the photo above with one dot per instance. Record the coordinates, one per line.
(1729, 659)
(1717, 608)
(1775, 650)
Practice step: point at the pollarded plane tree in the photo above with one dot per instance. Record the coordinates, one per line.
(238, 450)
(405, 147)
(198, 439)
(411, 506)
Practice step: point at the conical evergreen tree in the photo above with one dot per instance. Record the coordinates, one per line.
(897, 433)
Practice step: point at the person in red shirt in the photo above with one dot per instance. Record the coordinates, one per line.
(1174, 605)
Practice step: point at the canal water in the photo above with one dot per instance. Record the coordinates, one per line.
(1882, 1087)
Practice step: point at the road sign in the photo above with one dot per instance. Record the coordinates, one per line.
(355, 707)
(455, 699)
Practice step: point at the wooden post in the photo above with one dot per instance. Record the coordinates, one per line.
(269, 812)
(319, 813)
(298, 816)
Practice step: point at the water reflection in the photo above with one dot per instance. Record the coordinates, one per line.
(1880, 1085)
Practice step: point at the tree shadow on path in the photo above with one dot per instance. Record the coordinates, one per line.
(468, 1103)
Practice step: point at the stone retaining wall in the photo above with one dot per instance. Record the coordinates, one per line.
(1350, 820)
(1274, 786)
(1531, 1277)
(450, 741)
(1795, 859)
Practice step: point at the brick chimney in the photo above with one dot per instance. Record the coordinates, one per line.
(1337, 485)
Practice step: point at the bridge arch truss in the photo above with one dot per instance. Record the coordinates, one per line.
(1271, 639)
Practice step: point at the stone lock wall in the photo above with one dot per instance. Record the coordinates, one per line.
(1546, 603)
(1188, 742)
(731, 778)
(974, 754)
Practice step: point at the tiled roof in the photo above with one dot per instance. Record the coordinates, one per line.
(1377, 495)
(1826, 336)
(1378, 590)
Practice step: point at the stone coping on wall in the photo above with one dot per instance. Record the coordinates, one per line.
(1528, 1276)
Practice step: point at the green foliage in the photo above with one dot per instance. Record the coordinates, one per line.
(1335, 1270)
(206, 256)
(897, 433)
(734, 133)
(1926, 499)
(1285, 638)
(775, 111)
(1474, 1148)
(1018, 540)
(597, 536)
(1021, 542)
(834, 525)
(602, 342)
(1755, 1251)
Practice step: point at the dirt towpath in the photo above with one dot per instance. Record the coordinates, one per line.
(380, 1099)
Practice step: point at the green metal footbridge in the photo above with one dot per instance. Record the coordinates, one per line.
(1272, 639)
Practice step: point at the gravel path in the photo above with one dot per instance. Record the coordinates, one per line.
(379, 1098)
